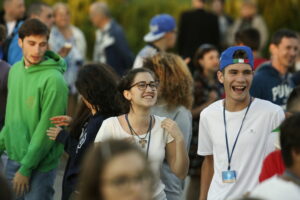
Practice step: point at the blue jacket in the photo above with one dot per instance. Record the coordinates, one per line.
(76, 150)
(12, 51)
(268, 84)
(118, 55)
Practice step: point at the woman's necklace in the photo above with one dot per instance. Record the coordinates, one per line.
(142, 140)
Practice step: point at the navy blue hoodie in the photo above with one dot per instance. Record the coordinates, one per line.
(76, 150)
(269, 85)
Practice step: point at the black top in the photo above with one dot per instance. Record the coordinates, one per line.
(76, 150)
(197, 27)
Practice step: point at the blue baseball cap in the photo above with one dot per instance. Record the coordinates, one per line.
(159, 26)
(227, 57)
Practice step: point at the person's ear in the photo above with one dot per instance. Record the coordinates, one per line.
(200, 61)
(220, 76)
(127, 94)
(20, 43)
(273, 49)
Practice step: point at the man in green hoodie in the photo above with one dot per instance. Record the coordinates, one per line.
(36, 92)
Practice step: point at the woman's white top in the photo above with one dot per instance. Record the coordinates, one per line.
(112, 129)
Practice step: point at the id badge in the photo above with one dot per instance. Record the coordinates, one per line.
(229, 176)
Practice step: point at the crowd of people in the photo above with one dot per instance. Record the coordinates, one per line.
(217, 112)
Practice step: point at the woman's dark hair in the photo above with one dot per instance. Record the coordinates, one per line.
(127, 81)
(81, 116)
(201, 51)
(95, 162)
(290, 138)
(97, 83)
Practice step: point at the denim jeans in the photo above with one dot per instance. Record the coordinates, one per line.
(40, 184)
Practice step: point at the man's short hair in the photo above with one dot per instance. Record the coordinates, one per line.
(290, 138)
(36, 8)
(278, 35)
(101, 7)
(33, 27)
(249, 37)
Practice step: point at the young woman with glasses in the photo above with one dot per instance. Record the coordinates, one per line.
(158, 137)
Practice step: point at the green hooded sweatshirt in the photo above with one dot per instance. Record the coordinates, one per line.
(35, 94)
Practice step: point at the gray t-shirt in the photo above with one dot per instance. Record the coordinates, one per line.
(183, 117)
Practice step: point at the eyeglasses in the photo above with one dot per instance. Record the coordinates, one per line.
(142, 85)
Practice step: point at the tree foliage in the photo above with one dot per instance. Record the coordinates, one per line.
(134, 15)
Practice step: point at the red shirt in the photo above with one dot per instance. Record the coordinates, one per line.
(258, 62)
(272, 165)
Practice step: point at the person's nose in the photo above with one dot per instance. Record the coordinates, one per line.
(241, 78)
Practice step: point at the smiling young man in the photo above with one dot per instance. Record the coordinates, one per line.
(235, 133)
(273, 81)
(36, 92)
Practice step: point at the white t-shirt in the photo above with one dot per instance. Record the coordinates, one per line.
(251, 148)
(112, 129)
(276, 188)
(10, 27)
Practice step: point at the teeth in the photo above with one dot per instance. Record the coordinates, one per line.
(239, 87)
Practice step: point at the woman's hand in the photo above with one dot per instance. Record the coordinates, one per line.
(176, 153)
(52, 132)
(172, 128)
(62, 120)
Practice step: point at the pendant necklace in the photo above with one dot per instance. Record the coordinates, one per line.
(142, 140)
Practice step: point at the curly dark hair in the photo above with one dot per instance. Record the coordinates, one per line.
(97, 83)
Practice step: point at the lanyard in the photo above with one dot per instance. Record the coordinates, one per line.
(229, 155)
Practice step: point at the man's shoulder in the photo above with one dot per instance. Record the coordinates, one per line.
(115, 28)
(266, 106)
(147, 51)
(266, 69)
(212, 108)
(17, 66)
